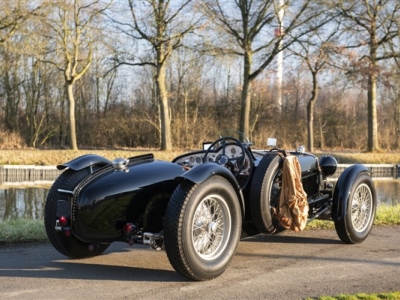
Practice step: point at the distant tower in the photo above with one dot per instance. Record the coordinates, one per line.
(279, 71)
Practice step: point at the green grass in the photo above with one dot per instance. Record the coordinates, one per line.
(386, 215)
(378, 296)
(22, 231)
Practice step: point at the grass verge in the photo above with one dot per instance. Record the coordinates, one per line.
(377, 296)
(55, 157)
(386, 215)
(22, 231)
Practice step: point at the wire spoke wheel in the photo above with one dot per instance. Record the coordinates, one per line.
(202, 227)
(211, 227)
(361, 208)
(360, 213)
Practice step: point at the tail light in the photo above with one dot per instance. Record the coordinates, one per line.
(62, 224)
(129, 231)
(63, 221)
(128, 228)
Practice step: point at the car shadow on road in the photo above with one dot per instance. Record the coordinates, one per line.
(118, 263)
(76, 270)
(292, 238)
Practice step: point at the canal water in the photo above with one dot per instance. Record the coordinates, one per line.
(29, 202)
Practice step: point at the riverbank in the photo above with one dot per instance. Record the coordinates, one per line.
(55, 157)
(33, 166)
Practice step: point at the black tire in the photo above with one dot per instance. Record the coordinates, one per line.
(202, 228)
(361, 209)
(264, 194)
(67, 245)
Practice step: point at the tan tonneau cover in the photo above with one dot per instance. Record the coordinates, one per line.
(293, 206)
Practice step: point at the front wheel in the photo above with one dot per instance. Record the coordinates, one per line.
(361, 208)
(202, 228)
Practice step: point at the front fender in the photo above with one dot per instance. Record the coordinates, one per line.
(84, 161)
(202, 172)
(342, 190)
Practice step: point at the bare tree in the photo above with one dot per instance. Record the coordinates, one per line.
(185, 81)
(314, 50)
(372, 27)
(396, 96)
(10, 81)
(247, 29)
(162, 25)
(70, 45)
(12, 15)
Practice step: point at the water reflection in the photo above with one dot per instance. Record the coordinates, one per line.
(29, 202)
(388, 191)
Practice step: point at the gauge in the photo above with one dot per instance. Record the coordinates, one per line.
(198, 159)
(210, 159)
(243, 165)
(233, 150)
(192, 159)
(246, 164)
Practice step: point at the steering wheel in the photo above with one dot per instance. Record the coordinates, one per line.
(224, 158)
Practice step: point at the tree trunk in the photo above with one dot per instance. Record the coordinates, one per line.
(397, 121)
(321, 134)
(166, 143)
(246, 98)
(373, 144)
(12, 100)
(72, 122)
(310, 113)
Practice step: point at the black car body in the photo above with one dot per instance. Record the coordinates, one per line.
(198, 206)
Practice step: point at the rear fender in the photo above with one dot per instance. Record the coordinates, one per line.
(202, 172)
(85, 161)
(342, 190)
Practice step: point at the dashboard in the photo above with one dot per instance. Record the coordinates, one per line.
(233, 153)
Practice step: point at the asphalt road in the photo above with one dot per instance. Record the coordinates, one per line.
(289, 266)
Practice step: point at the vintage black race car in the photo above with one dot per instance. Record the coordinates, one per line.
(198, 206)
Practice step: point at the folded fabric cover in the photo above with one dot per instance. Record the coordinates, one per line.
(293, 206)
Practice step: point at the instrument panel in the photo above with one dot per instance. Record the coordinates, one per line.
(232, 152)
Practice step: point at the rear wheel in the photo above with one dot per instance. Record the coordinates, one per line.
(361, 208)
(66, 245)
(264, 194)
(202, 228)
